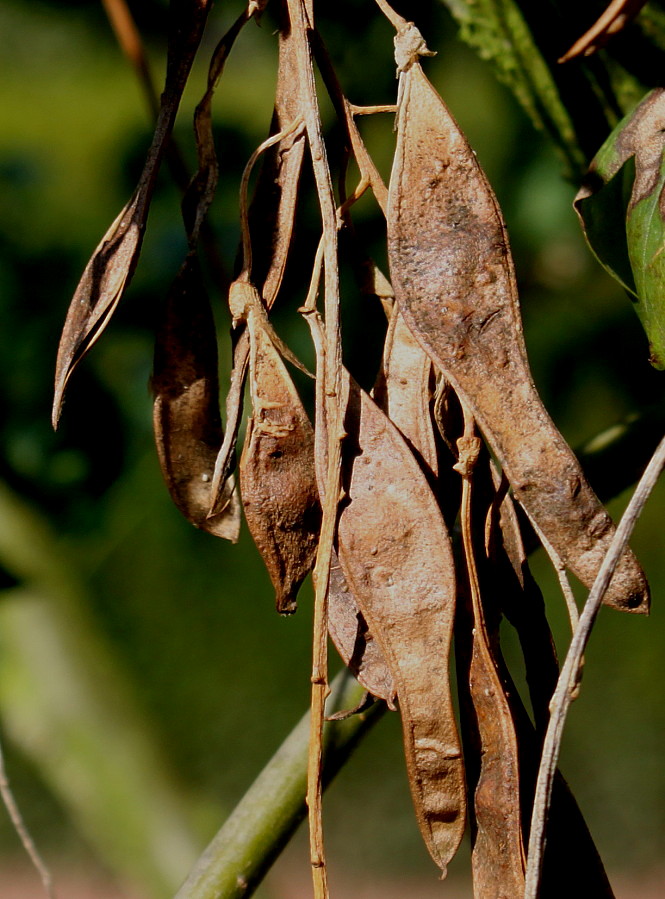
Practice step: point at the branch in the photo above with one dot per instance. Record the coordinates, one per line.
(569, 679)
(266, 817)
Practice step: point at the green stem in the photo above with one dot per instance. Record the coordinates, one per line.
(66, 703)
(262, 823)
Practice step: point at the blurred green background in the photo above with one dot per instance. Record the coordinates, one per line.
(144, 676)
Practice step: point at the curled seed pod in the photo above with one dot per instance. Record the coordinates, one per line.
(187, 423)
(498, 850)
(453, 278)
(506, 585)
(271, 219)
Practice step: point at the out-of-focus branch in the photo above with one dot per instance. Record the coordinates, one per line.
(266, 817)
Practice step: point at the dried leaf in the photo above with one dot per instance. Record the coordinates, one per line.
(454, 282)
(110, 269)
(622, 210)
(277, 477)
(187, 423)
(615, 18)
(396, 557)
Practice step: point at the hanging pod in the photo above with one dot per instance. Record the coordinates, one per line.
(453, 278)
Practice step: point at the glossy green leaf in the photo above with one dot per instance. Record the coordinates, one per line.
(622, 209)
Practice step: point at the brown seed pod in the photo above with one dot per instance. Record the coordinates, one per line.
(187, 424)
(404, 390)
(497, 845)
(453, 278)
(277, 477)
(355, 643)
(396, 557)
(271, 220)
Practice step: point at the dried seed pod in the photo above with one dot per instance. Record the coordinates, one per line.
(112, 265)
(404, 390)
(506, 585)
(188, 428)
(396, 557)
(494, 775)
(277, 477)
(453, 278)
(356, 645)
(401, 391)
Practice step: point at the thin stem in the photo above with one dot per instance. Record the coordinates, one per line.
(296, 127)
(328, 370)
(394, 18)
(372, 110)
(129, 39)
(22, 831)
(568, 683)
(345, 112)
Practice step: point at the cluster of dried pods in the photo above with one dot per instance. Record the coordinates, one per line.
(454, 430)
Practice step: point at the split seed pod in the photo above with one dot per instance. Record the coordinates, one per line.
(112, 265)
(271, 220)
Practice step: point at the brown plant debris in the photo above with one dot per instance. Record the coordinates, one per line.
(453, 278)
(366, 497)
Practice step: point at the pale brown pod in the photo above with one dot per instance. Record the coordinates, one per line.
(187, 423)
(506, 585)
(404, 390)
(353, 640)
(396, 557)
(277, 478)
(453, 278)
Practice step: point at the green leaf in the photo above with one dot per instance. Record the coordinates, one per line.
(621, 207)
(500, 34)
